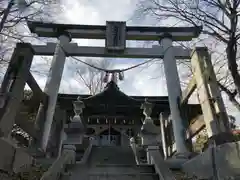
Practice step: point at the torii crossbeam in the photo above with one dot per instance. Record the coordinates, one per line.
(142, 33)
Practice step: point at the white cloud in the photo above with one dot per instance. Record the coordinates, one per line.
(143, 79)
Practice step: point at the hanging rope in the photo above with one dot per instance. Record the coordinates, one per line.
(112, 70)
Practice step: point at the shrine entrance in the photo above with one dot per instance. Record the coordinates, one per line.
(110, 137)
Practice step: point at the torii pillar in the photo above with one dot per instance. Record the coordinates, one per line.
(44, 119)
(174, 93)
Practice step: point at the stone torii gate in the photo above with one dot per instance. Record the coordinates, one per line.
(115, 35)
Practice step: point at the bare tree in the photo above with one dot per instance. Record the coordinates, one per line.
(90, 77)
(13, 17)
(219, 19)
(17, 11)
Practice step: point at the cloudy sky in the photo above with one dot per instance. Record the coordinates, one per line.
(146, 80)
(94, 12)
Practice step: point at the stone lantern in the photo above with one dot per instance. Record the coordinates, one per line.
(75, 130)
(149, 131)
(148, 126)
(78, 107)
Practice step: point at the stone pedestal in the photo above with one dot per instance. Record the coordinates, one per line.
(74, 132)
(71, 150)
(149, 132)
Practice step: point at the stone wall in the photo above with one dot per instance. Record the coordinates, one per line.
(223, 161)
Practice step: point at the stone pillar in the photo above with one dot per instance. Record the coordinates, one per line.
(51, 89)
(12, 88)
(174, 93)
(209, 95)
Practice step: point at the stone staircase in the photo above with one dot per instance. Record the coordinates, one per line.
(111, 155)
(111, 163)
(112, 172)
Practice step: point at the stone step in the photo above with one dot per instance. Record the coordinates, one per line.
(126, 176)
(111, 155)
(114, 168)
(85, 172)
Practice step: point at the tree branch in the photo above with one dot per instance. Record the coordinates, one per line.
(231, 95)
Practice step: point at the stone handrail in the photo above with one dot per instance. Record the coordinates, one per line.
(134, 148)
(86, 154)
(160, 165)
(138, 149)
(58, 167)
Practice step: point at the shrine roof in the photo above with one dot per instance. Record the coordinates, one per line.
(113, 102)
(112, 95)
